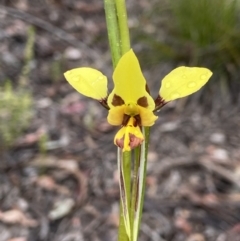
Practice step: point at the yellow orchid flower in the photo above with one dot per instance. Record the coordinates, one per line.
(130, 104)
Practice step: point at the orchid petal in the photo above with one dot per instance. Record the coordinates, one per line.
(89, 82)
(183, 81)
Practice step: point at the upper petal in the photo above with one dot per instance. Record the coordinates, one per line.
(87, 81)
(129, 82)
(183, 81)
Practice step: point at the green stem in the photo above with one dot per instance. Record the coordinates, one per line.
(135, 180)
(127, 172)
(113, 30)
(123, 25)
(124, 167)
(146, 136)
(118, 34)
(122, 234)
(141, 183)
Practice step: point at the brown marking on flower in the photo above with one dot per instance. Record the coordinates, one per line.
(125, 119)
(143, 101)
(117, 100)
(134, 141)
(138, 121)
(103, 102)
(120, 142)
(159, 103)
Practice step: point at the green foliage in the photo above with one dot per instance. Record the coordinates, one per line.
(28, 57)
(16, 104)
(56, 69)
(195, 33)
(207, 32)
(15, 113)
(205, 22)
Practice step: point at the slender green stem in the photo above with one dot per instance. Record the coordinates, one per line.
(135, 179)
(124, 167)
(122, 234)
(141, 183)
(113, 30)
(127, 160)
(123, 25)
(145, 153)
(118, 34)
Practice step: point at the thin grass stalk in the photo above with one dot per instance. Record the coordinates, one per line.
(123, 25)
(113, 30)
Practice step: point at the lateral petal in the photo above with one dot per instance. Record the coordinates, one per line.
(115, 115)
(147, 117)
(87, 81)
(183, 81)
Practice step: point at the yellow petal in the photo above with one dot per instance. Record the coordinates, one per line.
(147, 117)
(183, 81)
(115, 115)
(129, 82)
(89, 82)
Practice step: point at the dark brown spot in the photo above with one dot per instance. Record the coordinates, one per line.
(103, 102)
(159, 103)
(143, 101)
(138, 120)
(117, 100)
(125, 119)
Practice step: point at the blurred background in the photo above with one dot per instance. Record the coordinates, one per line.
(58, 170)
